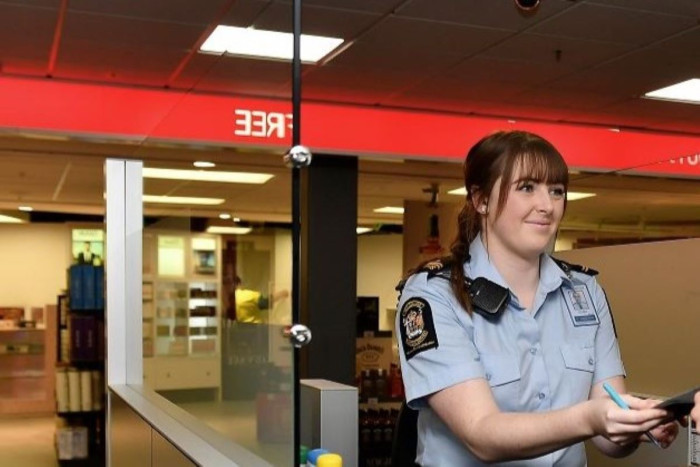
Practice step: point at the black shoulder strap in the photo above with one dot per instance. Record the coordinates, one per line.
(568, 267)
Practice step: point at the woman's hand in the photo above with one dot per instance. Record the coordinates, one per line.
(625, 426)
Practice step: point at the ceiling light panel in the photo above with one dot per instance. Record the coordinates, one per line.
(182, 200)
(206, 175)
(390, 210)
(260, 43)
(220, 229)
(686, 91)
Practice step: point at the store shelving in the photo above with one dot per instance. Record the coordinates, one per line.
(80, 401)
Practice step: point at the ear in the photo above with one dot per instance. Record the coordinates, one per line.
(478, 200)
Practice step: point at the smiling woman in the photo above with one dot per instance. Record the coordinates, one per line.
(535, 367)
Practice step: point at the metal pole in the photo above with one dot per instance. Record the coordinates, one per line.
(296, 215)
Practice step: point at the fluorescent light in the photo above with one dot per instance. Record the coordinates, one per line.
(361, 230)
(204, 164)
(390, 210)
(13, 217)
(259, 43)
(220, 229)
(181, 200)
(206, 175)
(574, 195)
(224, 215)
(26, 208)
(685, 91)
(570, 196)
(5, 219)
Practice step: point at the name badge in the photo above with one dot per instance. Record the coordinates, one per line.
(580, 304)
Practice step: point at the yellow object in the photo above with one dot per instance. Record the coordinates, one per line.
(247, 306)
(329, 460)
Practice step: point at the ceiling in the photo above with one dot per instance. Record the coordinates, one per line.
(585, 61)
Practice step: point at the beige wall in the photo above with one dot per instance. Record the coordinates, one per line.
(35, 258)
(378, 271)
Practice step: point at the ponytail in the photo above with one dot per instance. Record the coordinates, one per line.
(467, 229)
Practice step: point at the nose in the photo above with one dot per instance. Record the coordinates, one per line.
(544, 203)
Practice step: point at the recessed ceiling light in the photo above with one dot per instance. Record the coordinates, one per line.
(206, 176)
(570, 196)
(390, 210)
(361, 230)
(204, 164)
(458, 191)
(685, 91)
(574, 195)
(220, 229)
(181, 200)
(26, 208)
(224, 215)
(260, 43)
(13, 217)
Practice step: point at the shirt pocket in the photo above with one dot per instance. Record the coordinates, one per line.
(502, 372)
(579, 356)
(579, 363)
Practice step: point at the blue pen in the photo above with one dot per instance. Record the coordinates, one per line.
(621, 403)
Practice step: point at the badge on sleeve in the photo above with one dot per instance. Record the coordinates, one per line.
(580, 304)
(417, 328)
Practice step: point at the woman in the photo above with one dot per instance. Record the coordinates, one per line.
(522, 382)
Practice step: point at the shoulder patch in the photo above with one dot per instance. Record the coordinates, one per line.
(568, 267)
(417, 327)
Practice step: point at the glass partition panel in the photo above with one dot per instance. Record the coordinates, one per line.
(214, 308)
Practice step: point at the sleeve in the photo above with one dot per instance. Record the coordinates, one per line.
(435, 339)
(608, 358)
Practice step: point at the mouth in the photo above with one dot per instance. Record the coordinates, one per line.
(539, 223)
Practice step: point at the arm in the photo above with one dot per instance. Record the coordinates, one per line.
(695, 414)
(469, 410)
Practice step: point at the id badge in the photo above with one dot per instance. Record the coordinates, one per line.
(580, 305)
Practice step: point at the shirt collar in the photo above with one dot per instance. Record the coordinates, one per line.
(551, 275)
(479, 265)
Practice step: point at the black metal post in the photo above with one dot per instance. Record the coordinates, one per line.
(296, 215)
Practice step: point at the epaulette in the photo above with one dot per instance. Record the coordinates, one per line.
(439, 267)
(435, 267)
(568, 267)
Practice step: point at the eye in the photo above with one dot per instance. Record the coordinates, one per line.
(557, 191)
(526, 186)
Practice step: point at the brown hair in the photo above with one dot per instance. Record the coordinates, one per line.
(498, 155)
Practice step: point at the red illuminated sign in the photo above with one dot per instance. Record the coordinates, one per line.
(189, 117)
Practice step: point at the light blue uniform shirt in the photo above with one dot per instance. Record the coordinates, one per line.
(535, 361)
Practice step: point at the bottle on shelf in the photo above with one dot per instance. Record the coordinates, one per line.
(330, 459)
(313, 456)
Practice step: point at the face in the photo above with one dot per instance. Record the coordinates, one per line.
(529, 220)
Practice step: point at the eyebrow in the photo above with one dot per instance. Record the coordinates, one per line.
(530, 179)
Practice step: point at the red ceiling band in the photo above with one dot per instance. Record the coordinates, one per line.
(47, 105)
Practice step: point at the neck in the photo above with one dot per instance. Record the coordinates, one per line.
(522, 274)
